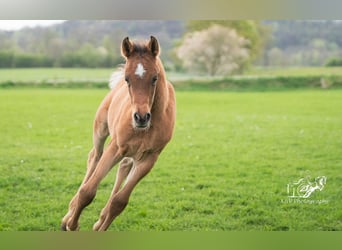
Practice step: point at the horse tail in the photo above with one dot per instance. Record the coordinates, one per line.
(116, 76)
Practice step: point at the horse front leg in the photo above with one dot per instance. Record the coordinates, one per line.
(87, 191)
(93, 158)
(119, 198)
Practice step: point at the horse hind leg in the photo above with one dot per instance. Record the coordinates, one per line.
(124, 169)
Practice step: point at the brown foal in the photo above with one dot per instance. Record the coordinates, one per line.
(139, 115)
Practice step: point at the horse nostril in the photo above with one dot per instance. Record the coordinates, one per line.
(147, 116)
(137, 117)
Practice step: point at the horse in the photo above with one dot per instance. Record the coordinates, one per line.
(139, 115)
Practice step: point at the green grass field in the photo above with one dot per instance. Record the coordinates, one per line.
(33, 75)
(227, 167)
(295, 71)
(81, 77)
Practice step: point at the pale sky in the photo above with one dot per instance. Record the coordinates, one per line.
(18, 24)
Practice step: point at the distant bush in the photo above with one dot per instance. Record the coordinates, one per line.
(334, 62)
(10, 59)
(87, 60)
(6, 59)
(71, 60)
(77, 59)
(30, 61)
(217, 50)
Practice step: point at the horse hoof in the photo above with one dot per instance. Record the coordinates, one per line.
(63, 227)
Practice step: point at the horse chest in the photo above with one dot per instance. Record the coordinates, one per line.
(137, 144)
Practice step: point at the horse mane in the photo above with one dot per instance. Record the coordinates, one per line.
(116, 76)
(140, 48)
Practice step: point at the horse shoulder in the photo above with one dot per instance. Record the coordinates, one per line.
(101, 116)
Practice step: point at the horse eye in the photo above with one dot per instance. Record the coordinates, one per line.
(127, 79)
(154, 80)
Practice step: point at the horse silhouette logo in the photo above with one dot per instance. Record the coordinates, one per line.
(303, 188)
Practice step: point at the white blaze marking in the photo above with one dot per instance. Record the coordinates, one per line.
(140, 71)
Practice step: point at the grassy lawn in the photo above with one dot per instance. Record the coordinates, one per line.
(54, 74)
(62, 75)
(227, 167)
(296, 71)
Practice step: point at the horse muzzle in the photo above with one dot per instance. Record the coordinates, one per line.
(142, 120)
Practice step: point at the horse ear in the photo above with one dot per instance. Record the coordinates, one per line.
(126, 47)
(154, 46)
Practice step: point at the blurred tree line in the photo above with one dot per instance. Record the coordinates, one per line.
(81, 43)
(97, 44)
(303, 43)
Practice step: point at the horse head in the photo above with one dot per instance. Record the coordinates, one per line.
(142, 74)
